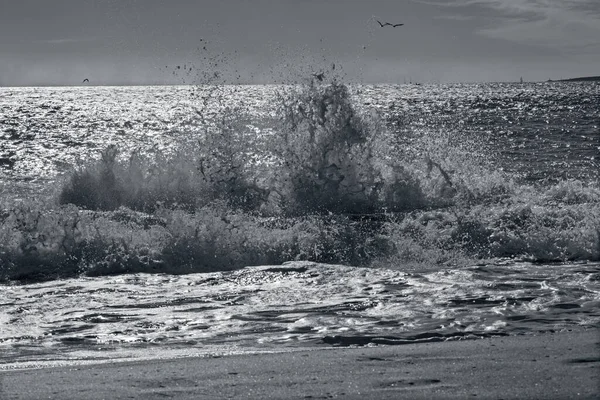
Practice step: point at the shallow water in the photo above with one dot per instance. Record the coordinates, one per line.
(297, 304)
(545, 137)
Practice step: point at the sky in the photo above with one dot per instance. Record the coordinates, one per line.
(132, 42)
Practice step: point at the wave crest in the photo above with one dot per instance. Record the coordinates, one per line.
(322, 180)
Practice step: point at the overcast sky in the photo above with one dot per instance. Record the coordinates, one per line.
(61, 42)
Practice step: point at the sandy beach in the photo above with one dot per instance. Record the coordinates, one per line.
(549, 366)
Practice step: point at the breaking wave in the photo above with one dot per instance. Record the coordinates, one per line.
(319, 179)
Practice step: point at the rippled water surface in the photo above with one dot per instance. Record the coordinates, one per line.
(540, 131)
(297, 304)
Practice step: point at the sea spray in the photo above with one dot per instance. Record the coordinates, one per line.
(333, 157)
(322, 180)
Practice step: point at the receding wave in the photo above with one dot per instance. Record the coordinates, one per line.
(319, 179)
(297, 304)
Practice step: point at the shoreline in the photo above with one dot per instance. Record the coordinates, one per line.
(549, 365)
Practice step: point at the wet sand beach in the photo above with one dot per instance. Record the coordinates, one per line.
(550, 366)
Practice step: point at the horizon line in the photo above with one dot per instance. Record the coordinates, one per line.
(585, 78)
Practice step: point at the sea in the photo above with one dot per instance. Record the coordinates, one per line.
(518, 255)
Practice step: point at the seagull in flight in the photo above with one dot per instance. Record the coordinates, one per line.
(319, 76)
(382, 24)
(85, 80)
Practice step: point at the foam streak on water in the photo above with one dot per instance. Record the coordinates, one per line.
(298, 304)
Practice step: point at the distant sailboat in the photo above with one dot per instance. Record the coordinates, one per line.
(521, 79)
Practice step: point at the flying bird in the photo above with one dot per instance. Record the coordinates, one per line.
(319, 76)
(387, 23)
(85, 80)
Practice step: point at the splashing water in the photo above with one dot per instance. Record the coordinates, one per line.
(393, 197)
(419, 184)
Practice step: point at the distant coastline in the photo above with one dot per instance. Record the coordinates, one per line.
(581, 79)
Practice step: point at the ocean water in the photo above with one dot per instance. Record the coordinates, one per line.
(498, 232)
